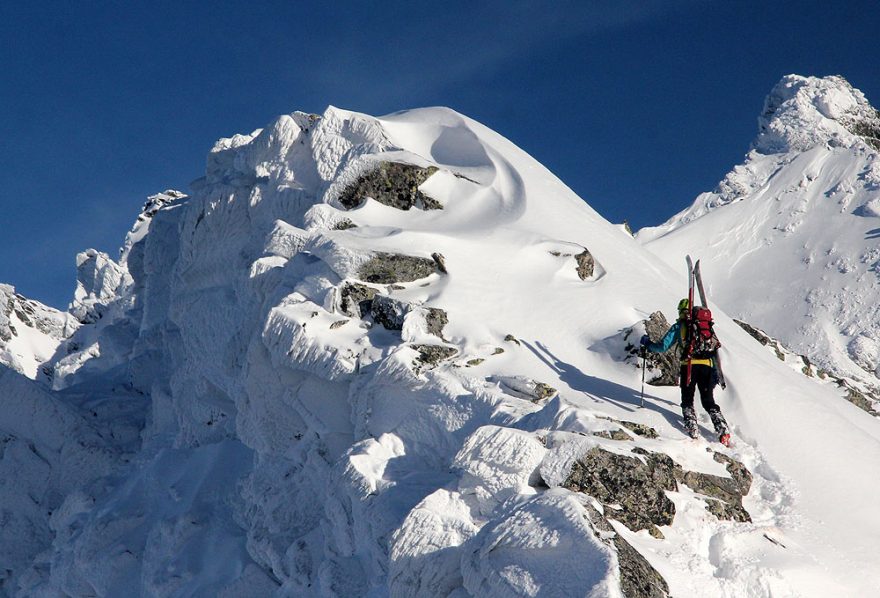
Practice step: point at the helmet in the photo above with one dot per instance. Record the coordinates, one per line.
(684, 304)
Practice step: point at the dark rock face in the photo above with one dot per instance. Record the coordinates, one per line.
(858, 398)
(393, 184)
(634, 491)
(585, 264)
(355, 299)
(638, 579)
(866, 126)
(440, 261)
(388, 268)
(762, 338)
(436, 319)
(725, 493)
(864, 400)
(640, 429)
(669, 363)
(431, 355)
(389, 312)
(543, 391)
(614, 435)
(344, 224)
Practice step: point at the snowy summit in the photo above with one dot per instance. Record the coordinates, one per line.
(395, 357)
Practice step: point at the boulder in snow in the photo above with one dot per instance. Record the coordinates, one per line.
(388, 268)
(393, 184)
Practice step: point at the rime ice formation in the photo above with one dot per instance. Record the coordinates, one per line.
(321, 375)
(795, 248)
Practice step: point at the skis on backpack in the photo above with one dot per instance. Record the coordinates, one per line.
(690, 266)
(699, 280)
(724, 438)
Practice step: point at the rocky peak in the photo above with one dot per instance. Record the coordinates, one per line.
(803, 112)
(156, 202)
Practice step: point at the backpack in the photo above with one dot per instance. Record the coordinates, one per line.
(702, 342)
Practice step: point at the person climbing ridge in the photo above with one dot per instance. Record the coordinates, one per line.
(696, 344)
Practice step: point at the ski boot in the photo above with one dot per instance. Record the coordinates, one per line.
(690, 422)
(720, 427)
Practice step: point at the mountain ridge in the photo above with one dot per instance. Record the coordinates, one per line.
(298, 395)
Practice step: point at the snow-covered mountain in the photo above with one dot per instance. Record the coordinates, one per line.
(392, 357)
(30, 332)
(790, 239)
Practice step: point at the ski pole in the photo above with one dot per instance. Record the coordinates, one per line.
(644, 361)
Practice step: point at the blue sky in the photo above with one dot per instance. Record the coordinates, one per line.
(637, 106)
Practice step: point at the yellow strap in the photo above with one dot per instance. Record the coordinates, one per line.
(698, 362)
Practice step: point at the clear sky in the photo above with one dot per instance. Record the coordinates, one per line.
(637, 106)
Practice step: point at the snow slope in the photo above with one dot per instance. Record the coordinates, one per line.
(294, 441)
(790, 239)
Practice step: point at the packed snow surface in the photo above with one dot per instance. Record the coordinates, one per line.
(249, 429)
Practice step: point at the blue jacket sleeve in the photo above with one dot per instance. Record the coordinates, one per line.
(669, 339)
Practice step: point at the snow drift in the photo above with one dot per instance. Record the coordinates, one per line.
(389, 357)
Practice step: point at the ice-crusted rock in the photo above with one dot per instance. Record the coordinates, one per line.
(286, 240)
(49, 454)
(542, 545)
(99, 281)
(496, 463)
(802, 112)
(426, 550)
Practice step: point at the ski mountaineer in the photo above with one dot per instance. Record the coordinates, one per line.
(703, 375)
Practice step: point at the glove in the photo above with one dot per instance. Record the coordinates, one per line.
(644, 341)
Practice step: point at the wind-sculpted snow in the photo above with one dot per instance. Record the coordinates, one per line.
(390, 400)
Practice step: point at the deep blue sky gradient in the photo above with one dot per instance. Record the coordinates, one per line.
(638, 106)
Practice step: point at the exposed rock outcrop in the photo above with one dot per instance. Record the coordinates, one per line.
(638, 579)
(431, 355)
(667, 364)
(393, 184)
(862, 395)
(356, 299)
(389, 312)
(388, 268)
(633, 488)
(585, 264)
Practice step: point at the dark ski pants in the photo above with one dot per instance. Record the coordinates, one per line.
(702, 377)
